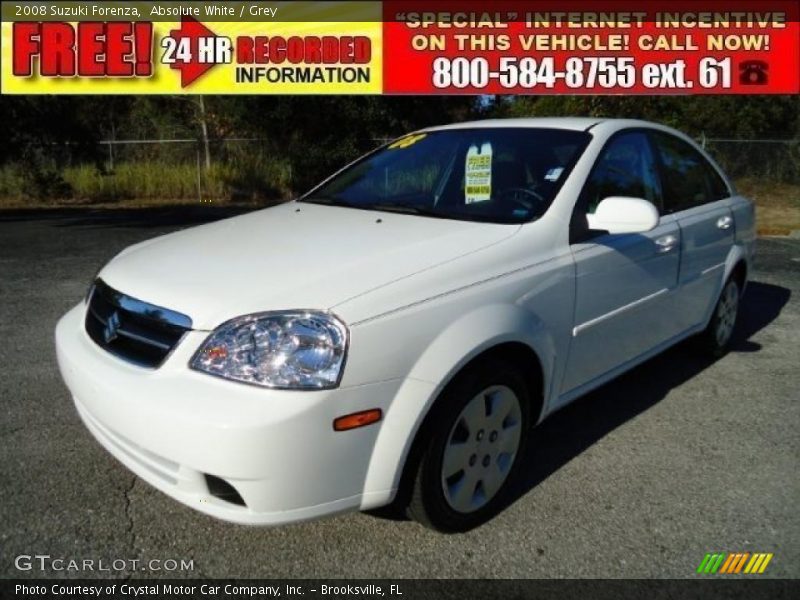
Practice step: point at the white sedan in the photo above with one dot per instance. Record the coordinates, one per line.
(394, 335)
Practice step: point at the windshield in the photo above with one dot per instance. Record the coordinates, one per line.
(501, 175)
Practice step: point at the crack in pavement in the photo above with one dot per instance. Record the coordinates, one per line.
(130, 530)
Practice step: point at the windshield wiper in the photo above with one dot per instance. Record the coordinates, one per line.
(411, 209)
(405, 209)
(329, 201)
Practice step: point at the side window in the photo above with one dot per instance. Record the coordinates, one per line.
(626, 167)
(689, 179)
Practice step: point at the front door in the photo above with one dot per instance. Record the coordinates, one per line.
(625, 283)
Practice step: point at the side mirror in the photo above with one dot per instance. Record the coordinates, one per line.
(624, 215)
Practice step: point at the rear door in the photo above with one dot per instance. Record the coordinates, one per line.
(696, 196)
(624, 303)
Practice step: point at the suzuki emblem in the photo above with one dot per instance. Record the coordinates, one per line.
(111, 328)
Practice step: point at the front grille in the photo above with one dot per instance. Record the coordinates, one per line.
(136, 331)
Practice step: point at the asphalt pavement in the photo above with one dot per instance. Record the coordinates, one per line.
(680, 457)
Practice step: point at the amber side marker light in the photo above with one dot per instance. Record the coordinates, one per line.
(359, 419)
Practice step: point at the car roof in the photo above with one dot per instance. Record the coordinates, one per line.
(573, 123)
(570, 123)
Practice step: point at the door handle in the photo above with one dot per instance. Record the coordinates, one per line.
(724, 222)
(666, 243)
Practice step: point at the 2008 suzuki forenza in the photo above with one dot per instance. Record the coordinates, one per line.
(406, 324)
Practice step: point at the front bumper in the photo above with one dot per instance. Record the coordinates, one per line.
(173, 426)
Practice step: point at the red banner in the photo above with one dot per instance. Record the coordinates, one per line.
(583, 47)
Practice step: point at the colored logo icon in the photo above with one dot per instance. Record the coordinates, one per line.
(734, 563)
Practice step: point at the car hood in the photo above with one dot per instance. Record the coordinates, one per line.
(296, 255)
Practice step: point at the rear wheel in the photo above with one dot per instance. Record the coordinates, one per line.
(477, 433)
(716, 339)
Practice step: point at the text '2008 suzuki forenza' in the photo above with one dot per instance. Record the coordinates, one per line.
(395, 334)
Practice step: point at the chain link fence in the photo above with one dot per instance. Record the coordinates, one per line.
(773, 161)
(254, 171)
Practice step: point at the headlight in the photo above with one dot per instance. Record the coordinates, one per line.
(288, 350)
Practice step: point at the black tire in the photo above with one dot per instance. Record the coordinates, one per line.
(716, 338)
(429, 503)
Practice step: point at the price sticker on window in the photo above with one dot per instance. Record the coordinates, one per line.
(478, 174)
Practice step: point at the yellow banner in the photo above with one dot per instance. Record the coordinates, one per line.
(313, 56)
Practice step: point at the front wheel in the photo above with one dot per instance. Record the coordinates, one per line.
(477, 433)
(716, 339)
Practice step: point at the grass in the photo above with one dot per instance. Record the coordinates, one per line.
(147, 183)
(144, 181)
(777, 205)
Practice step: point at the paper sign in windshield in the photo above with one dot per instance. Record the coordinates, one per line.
(478, 174)
(554, 173)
